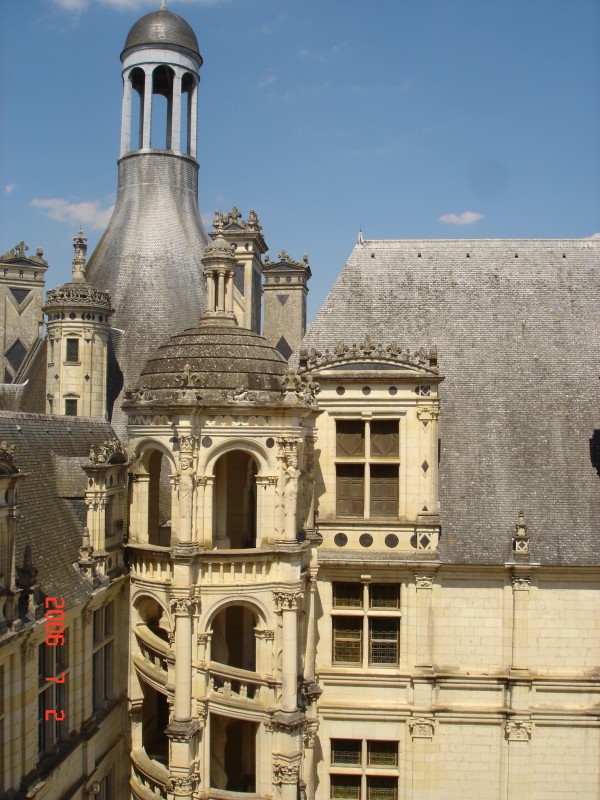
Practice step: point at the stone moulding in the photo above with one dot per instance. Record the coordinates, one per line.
(80, 295)
(392, 354)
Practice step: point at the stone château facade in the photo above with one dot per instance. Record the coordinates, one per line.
(357, 562)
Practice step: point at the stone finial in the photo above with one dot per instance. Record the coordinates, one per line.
(520, 542)
(20, 249)
(79, 257)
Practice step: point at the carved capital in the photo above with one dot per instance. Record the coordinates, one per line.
(204, 638)
(183, 606)
(184, 784)
(182, 731)
(309, 736)
(521, 583)
(518, 730)
(424, 581)
(264, 633)
(422, 728)
(285, 772)
(287, 600)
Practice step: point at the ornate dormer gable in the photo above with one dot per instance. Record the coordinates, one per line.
(17, 256)
(379, 456)
(285, 263)
(370, 356)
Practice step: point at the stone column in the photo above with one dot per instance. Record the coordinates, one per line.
(139, 507)
(126, 116)
(208, 529)
(287, 603)
(424, 586)
(520, 585)
(518, 735)
(287, 774)
(135, 718)
(193, 121)
(183, 608)
(221, 290)
(174, 134)
(422, 731)
(288, 454)
(147, 109)
(187, 447)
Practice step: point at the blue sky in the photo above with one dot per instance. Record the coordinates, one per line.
(436, 118)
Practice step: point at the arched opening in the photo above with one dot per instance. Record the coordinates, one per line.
(159, 500)
(232, 754)
(162, 107)
(155, 719)
(235, 507)
(233, 641)
(137, 79)
(187, 90)
(151, 615)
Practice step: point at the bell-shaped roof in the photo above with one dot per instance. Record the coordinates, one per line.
(162, 28)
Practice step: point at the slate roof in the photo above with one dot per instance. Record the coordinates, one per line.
(50, 450)
(162, 28)
(517, 329)
(150, 259)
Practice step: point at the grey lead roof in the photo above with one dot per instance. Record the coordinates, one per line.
(517, 328)
(162, 28)
(50, 450)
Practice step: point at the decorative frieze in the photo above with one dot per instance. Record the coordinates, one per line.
(237, 421)
(518, 730)
(181, 606)
(367, 351)
(422, 728)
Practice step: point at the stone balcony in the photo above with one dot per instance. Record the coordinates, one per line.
(151, 661)
(238, 689)
(148, 777)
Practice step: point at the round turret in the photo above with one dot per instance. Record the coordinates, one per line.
(162, 28)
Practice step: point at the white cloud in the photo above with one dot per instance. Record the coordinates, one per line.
(466, 218)
(87, 213)
(72, 5)
(269, 78)
(9, 188)
(595, 236)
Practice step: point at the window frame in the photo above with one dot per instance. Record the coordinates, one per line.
(103, 656)
(366, 458)
(366, 616)
(361, 774)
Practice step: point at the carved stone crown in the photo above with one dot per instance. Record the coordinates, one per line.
(110, 450)
(80, 294)
(392, 354)
(219, 249)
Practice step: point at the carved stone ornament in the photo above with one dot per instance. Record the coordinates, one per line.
(237, 421)
(287, 450)
(182, 732)
(184, 784)
(392, 354)
(81, 294)
(422, 728)
(428, 413)
(264, 633)
(285, 773)
(521, 583)
(183, 605)
(110, 451)
(203, 638)
(311, 691)
(518, 730)
(286, 600)
(424, 581)
(7, 456)
(299, 388)
(309, 737)
(187, 379)
(286, 721)
(147, 419)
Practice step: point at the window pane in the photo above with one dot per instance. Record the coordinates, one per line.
(350, 490)
(108, 619)
(347, 640)
(382, 754)
(383, 644)
(345, 787)
(384, 490)
(71, 408)
(98, 625)
(384, 595)
(384, 438)
(382, 788)
(350, 437)
(345, 751)
(347, 595)
(72, 349)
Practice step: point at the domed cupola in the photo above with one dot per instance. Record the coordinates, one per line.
(150, 254)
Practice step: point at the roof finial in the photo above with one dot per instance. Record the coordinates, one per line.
(360, 235)
(79, 257)
(163, 5)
